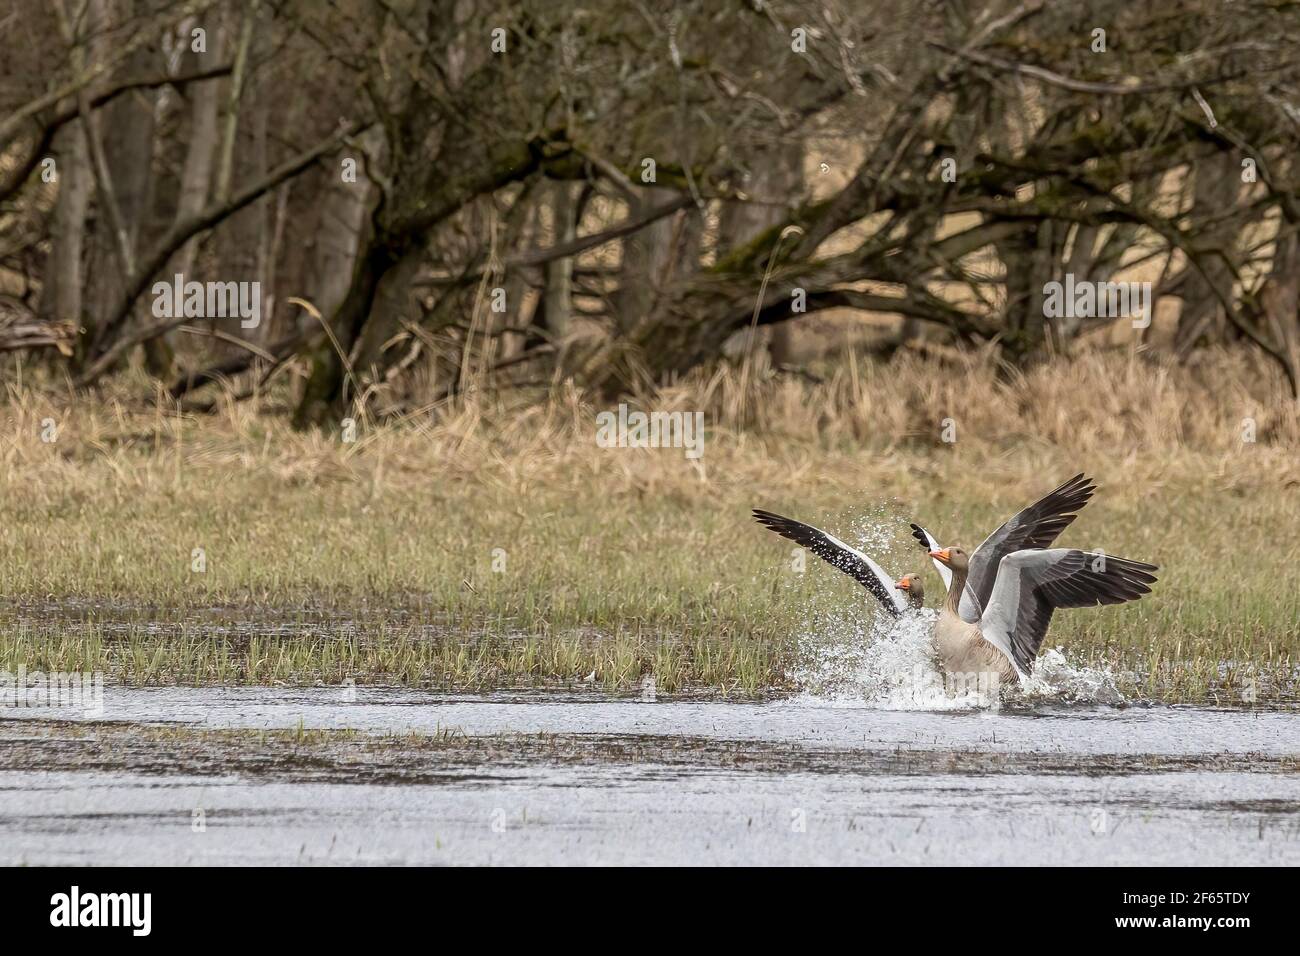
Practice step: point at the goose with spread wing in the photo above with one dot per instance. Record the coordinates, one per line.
(851, 561)
(1002, 597)
(1036, 526)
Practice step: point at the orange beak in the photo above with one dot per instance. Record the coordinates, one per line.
(941, 555)
(903, 586)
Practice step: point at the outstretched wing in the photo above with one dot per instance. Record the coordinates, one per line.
(1033, 584)
(1034, 527)
(928, 544)
(835, 552)
(970, 608)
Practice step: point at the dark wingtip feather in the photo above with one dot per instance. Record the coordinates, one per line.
(770, 521)
(1076, 492)
(796, 531)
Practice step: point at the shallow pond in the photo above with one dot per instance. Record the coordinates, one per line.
(553, 777)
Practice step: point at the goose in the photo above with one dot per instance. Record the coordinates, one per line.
(1001, 598)
(1029, 586)
(1035, 526)
(912, 584)
(895, 598)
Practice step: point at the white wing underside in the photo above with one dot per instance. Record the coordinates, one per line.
(998, 621)
(839, 555)
(886, 581)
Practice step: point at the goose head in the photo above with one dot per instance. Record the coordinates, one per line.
(914, 588)
(953, 557)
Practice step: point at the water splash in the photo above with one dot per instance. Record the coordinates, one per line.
(882, 663)
(891, 665)
(854, 655)
(1055, 678)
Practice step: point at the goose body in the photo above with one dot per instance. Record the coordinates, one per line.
(963, 651)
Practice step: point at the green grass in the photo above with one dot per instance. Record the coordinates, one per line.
(142, 656)
(323, 584)
(375, 562)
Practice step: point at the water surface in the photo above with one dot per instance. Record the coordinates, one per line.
(553, 777)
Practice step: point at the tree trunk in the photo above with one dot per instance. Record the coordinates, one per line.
(323, 394)
(126, 131)
(1217, 185)
(557, 299)
(243, 157)
(337, 237)
(1031, 260)
(195, 182)
(393, 303)
(1280, 301)
(776, 182)
(410, 213)
(61, 296)
(653, 258)
(200, 153)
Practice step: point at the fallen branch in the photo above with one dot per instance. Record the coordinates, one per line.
(235, 364)
(21, 329)
(1080, 86)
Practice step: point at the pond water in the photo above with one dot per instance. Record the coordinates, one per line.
(562, 777)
